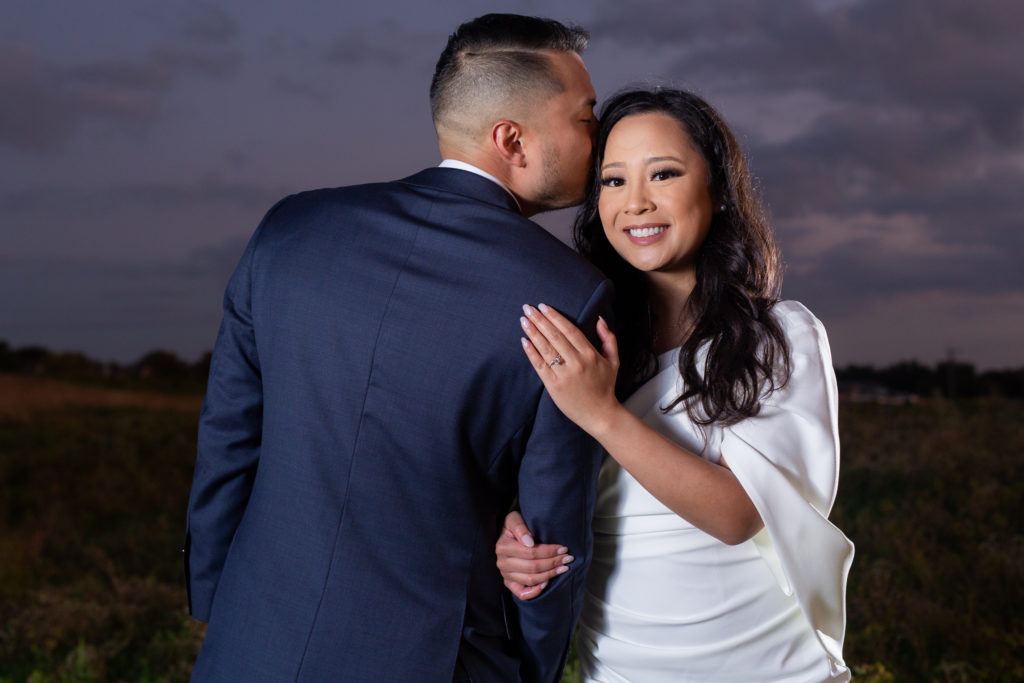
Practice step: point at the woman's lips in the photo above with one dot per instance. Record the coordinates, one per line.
(647, 233)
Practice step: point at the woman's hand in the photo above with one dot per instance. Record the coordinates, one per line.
(579, 379)
(525, 566)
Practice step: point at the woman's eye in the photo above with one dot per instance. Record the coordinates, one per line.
(665, 174)
(611, 182)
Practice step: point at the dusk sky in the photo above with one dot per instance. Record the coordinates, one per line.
(142, 141)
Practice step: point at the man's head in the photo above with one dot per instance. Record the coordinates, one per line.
(511, 95)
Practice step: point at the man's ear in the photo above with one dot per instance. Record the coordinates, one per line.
(506, 136)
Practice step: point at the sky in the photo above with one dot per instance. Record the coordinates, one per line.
(142, 141)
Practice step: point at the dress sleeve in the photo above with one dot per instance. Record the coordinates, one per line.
(787, 460)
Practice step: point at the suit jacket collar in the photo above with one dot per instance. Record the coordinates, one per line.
(464, 183)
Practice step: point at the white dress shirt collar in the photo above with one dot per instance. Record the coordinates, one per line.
(463, 166)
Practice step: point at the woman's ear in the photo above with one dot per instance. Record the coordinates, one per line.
(506, 136)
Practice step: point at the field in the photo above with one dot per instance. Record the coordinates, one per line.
(94, 482)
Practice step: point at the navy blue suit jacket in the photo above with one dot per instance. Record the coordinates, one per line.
(369, 420)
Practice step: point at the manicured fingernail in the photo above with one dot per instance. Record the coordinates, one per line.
(526, 344)
(541, 586)
(527, 540)
(561, 570)
(563, 550)
(524, 322)
(567, 559)
(543, 308)
(528, 309)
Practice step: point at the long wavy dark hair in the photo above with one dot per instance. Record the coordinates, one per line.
(739, 274)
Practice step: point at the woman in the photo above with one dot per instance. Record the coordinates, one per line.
(713, 557)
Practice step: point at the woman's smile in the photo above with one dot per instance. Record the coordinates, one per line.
(647, 233)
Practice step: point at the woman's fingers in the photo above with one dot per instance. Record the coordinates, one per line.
(533, 575)
(567, 340)
(525, 592)
(530, 566)
(515, 527)
(565, 328)
(532, 571)
(609, 343)
(514, 556)
(537, 361)
(549, 337)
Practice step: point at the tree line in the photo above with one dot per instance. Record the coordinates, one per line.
(157, 370)
(948, 379)
(164, 370)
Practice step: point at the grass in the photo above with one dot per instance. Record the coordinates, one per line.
(933, 496)
(93, 493)
(91, 520)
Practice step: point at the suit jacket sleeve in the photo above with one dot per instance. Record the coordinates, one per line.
(557, 489)
(230, 427)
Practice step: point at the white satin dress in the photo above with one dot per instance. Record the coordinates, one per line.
(668, 602)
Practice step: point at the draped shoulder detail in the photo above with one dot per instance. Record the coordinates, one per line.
(787, 460)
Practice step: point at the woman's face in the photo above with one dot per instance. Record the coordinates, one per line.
(654, 202)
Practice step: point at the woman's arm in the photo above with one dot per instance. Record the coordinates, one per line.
(582, 383)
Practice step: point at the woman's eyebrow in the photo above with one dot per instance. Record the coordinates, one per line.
(648, 161)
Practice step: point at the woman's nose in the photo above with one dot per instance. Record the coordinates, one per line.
(638, 201)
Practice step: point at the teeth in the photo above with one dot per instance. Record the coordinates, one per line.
(647, 232)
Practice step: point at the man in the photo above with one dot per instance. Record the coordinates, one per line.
(370, 416)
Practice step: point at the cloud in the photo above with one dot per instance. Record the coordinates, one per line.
(181, 59)
(359, 47)
(356, 48)
(307, 69)
(205, 22)
(939, 55)
(303, 88)
(148, 195)
(118, 310)
(899, 236)
(139, 222)
(926, 325)
(45, 104)
(888, 138)
(871, 266)
(42, 107)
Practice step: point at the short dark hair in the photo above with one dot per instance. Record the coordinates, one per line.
(497, 58)
(739, 271)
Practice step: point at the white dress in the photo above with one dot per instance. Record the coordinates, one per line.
(668, 602)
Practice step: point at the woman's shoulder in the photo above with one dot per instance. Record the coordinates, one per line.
(791, 312)
(803, 330)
